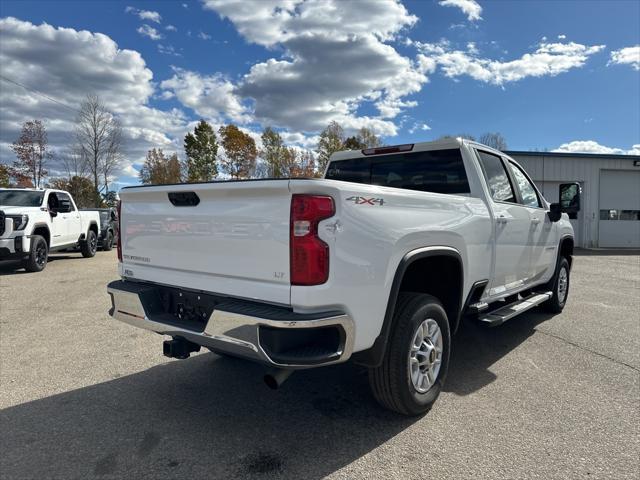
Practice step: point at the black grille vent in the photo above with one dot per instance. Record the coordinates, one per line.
(1, 222)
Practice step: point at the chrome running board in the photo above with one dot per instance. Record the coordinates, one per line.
(501, 315)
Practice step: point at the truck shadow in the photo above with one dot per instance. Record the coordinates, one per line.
(213, 417)
(12, 267)
(476, 348)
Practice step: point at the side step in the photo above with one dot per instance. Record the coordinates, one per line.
(501, 315)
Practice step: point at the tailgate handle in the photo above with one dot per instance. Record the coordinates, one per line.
(184, 199)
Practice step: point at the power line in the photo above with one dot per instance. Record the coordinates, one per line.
(37, 92)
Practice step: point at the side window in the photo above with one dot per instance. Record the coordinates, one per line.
(64, 200)
(527, 190)
(496, 177)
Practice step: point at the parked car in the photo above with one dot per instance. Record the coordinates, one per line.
(377, 262)
(34, 222)
(109, 227)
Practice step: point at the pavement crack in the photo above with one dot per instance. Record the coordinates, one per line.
(582, 347)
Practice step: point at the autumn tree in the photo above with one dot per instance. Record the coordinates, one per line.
(80, 188)
(158, 169)
(99, 141)
(331, 140)
(368, 139)
(305, 165)
(32, 151)
(239, 160)
(201, 149)
(494, 140)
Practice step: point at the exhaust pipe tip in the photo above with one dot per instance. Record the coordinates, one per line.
(275, 378)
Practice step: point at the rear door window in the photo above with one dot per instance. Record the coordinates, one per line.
(438, 171)
(496, 177)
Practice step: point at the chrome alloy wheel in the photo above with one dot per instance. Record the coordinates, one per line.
(93, 244)
(425, 356)
(563, 285)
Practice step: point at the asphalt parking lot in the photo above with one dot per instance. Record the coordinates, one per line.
(540, 397)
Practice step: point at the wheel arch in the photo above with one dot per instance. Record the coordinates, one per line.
(447, 286)
(42, 229)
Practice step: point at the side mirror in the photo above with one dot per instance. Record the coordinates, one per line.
(569, 196)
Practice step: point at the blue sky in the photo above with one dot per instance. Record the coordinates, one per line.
(546, 74)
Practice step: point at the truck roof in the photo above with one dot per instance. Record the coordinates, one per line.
(409, 147)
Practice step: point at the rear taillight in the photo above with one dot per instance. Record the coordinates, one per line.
(119, 243)
(309, 254)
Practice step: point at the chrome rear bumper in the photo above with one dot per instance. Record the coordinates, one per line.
(275, 336)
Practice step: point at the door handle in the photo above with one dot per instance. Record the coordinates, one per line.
(501, 220)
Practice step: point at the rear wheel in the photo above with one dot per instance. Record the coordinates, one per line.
(89, 246)
(560, 287)
(107, 243)
(415, 364)
(38, 255)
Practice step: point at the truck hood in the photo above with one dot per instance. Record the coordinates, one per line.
(10, 210)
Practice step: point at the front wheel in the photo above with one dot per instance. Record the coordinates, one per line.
(89, 246)
(415, 364)
(38, 255)
(560, 287)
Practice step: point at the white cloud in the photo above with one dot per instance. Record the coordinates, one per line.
(627, 56)
(168, 50)
(470, 8)
(335, 60)
(171, 28)
(148, 31)
(210, 96)
(92, 63)
(145, 14)
(203, 36)
(419, 126)
(548, 59)
(561, 37)
(590, 146)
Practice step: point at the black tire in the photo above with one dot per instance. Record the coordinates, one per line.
(391, 382)
(38, 255)
(559, 299)
(89, 246)
(107, 243)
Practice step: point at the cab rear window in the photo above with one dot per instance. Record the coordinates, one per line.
(438, 171)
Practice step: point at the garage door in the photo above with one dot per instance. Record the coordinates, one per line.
(619, 223)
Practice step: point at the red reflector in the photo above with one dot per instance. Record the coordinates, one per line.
(119, 242)
(392, 149)
(309, 254)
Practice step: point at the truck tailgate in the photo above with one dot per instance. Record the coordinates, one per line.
(234, 241)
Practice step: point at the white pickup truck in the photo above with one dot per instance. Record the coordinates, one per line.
(377, 262)
(36, 222)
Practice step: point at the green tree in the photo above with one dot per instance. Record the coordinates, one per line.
(5, 176)
(272, 152)
(81, 189)
(353, 143)
(158, 169)
(110, 199)
(331, 140)
(240, 150)
(201, 149)
(32, 151)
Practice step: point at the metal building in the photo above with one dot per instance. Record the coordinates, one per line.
(610, 215)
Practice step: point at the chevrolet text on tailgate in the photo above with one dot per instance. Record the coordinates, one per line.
(378, 262)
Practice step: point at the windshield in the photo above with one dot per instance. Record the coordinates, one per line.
(21, 198)
(438, 171)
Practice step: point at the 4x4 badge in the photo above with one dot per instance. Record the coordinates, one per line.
(366, 201)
